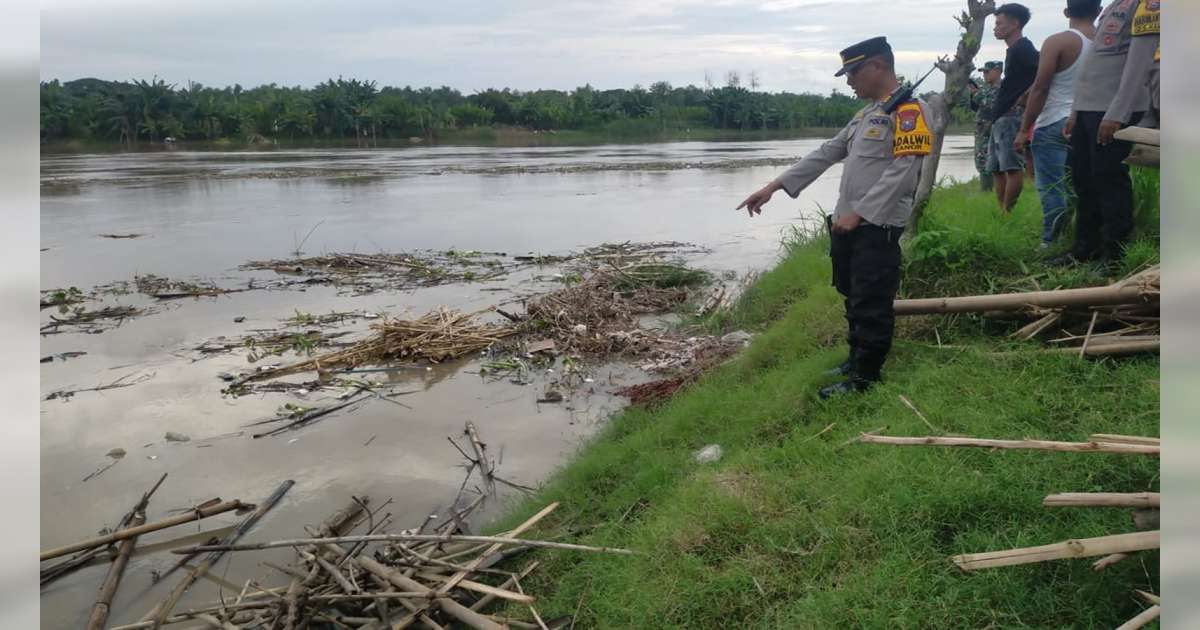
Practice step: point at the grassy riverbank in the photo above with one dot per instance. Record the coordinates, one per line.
(793, 529)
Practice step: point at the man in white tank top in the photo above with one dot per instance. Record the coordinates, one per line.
(1049, 106)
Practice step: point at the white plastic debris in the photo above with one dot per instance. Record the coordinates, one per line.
(302, 392)
(708, 454)
(579, 329)
(738, 336)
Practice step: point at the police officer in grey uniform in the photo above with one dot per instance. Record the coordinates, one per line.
(882, 151)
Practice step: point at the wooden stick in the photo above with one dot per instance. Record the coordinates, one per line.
(104, 598)
(452, 608)
(533, 520)
(1031, 330)
(494, 540)
(1143, 618)
(819, 433)
(1118, 348)
(1088, 336)
(1139, 135)
(920, 415)
(479, 587)
(159, 613)
(134, 532)
(1149, 597)
(1044, 445)
(1123, 439)
(1082, 548)
(487, 599)
(858, 438)
(1103, 499)
(1108, 561)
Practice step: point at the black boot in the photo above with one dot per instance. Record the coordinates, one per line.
(852, 385)
(842, 369)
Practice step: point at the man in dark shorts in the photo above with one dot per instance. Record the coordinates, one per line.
(1020, 67)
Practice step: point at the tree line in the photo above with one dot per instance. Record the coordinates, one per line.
(141, 111)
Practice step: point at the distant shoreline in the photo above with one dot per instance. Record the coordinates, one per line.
(474, 136)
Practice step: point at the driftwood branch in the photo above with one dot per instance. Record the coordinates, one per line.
(145, 528)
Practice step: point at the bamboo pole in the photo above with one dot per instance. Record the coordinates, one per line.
(1082, 548)
(494, 540)
(1138, 289)
(1044, 445)
(108, 589)
(1143, 618)
(452, 608)
(1116, 348)
(159, 613)
(134, 532)
(487, 599)
(478, 587)
(1149, 597)
(496, 546)
(1103, 499)
(1123, 439)
(1140, 135)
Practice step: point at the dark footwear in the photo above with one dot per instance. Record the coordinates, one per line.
(1066, 259)
(853, 385)
(842, 369)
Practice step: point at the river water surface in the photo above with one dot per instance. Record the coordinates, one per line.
(204, 213)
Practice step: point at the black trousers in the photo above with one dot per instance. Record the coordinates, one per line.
(866, 271)
(1104, 213)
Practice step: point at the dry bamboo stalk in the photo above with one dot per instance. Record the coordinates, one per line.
(1140, 135)
(451, 607)
(1031, 330)
(1149, 597)
(1088, 336)
(133, 532)
(1144, 155)
(530, 522)
(1123, 439)
(1138, 289)
(1143, 618)
(487, 599)
(493, 540)
(1118, 348)
(159, 613)
(1082, 548)
(1108, 561)
(920, 415)
(1102, 499)
(819, 433)
(485, 589)
(1044, 445)
(100, 609)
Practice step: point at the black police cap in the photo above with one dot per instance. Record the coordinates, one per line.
(853, 56)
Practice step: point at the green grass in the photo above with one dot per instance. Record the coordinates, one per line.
(792, 530)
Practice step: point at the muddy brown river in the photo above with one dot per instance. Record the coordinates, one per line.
(201, 214)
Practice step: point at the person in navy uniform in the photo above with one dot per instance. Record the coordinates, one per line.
(882, 149)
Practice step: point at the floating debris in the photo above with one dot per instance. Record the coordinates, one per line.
(131, 235)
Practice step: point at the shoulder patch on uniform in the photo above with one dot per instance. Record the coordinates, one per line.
(912, 133)
(1145, 19)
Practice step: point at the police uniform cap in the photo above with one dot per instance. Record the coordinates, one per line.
(997, 65)
(855, 55)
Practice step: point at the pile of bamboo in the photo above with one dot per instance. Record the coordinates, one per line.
(1113, 548)
(1118, 319)
(437, 336)
(431, 577)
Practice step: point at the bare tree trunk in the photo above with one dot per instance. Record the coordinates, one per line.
(958, 72)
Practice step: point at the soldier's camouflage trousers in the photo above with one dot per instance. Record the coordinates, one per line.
(983, 135)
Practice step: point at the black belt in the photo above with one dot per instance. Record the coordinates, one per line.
(893, 232)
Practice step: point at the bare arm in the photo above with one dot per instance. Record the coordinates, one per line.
(1052, 52)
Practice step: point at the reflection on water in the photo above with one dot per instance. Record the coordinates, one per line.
(201, 223)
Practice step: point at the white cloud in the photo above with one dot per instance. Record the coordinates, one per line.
(524, 44)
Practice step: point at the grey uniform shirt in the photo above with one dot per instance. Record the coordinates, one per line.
(1099, 79)
(876, 185)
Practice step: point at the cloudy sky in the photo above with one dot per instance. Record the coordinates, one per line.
(475, 44)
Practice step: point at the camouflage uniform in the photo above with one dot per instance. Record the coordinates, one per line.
(981, 101)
